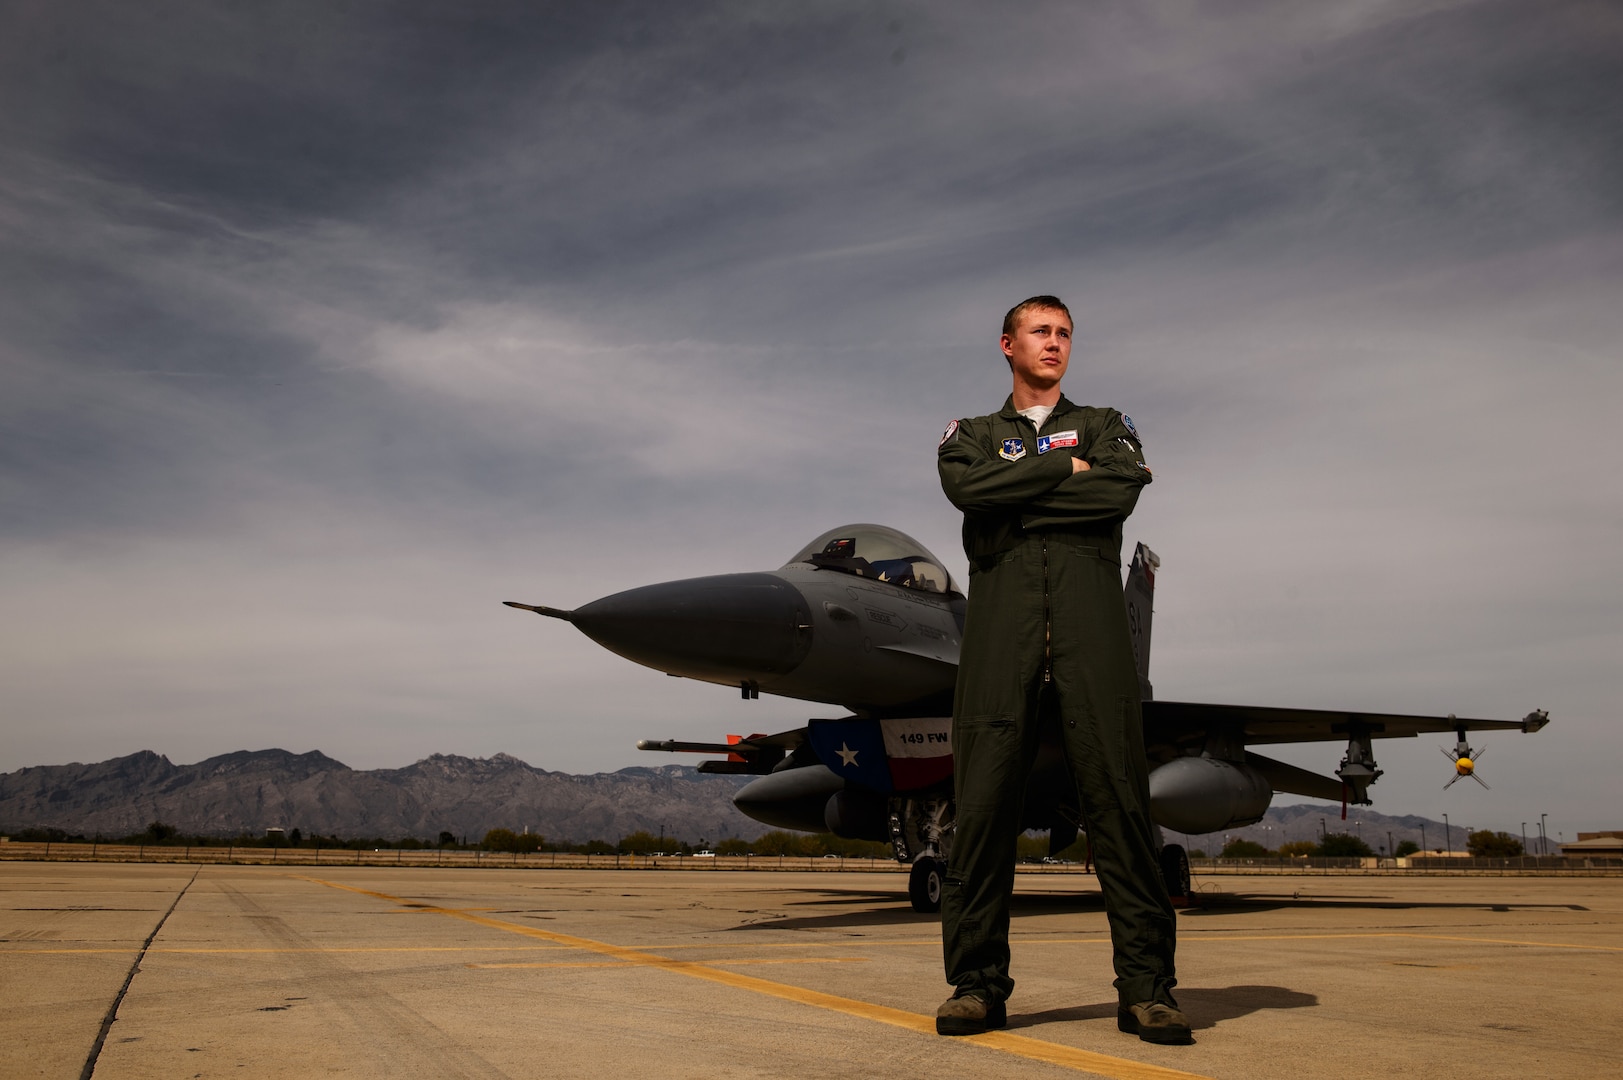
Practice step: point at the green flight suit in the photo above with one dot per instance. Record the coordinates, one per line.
(1046, 637)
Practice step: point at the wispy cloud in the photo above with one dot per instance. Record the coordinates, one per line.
(325, 330)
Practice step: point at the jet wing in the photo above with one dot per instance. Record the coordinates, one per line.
(1177, 721)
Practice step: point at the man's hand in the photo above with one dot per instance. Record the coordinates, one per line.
(1079, 465)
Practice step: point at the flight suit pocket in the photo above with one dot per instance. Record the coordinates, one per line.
(986, 760)
(1094, 551)
(1130, 759)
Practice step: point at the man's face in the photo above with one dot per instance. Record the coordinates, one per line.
(1039, 350)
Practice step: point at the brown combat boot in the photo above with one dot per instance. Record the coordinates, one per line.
(969, 1014)
(1153, 1022)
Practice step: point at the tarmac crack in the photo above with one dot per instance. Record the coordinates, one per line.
(112, 1012)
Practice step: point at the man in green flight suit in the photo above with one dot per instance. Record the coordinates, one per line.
(1045, 485)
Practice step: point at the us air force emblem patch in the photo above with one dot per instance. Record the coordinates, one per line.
(1128, 420)
(1013, 450)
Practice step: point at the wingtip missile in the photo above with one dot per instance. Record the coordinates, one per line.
(1465, 760)
(542, 609)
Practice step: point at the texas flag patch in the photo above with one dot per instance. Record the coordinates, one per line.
(1057, 440)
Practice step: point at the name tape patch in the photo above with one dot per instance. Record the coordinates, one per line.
(1058, 439)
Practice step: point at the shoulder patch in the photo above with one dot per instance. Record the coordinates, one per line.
(946, 436)
(1128, 420)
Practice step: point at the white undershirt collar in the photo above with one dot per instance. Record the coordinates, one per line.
(1037, 414)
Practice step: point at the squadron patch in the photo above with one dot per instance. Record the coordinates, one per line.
(946, 436)
(1128, 420)
(1013, 450)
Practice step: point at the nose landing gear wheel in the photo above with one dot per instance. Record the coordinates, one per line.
(924, 885)
(1175, 871)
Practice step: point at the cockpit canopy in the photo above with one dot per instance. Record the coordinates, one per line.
(880, 553)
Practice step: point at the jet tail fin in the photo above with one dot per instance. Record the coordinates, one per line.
(1140, 596)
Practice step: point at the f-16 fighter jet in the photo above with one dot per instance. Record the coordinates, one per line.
(866, 619)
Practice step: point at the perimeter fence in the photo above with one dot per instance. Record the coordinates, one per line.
(1442, 865)
(226, 854)
(77, 851)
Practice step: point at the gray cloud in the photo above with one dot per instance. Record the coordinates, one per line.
(328, 326)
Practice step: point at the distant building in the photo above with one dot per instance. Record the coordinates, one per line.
(1596, 843)
(276, 833)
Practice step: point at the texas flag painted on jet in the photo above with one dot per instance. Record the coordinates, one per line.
(854, 750)
(895, 754)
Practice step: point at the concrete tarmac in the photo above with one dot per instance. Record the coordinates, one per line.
(118, 970)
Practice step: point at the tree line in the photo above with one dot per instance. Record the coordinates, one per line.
(641, 842)
(1030, 847)
(1481, 844)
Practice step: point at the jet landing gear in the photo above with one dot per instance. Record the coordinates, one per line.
(1175, 872)
(921, 834)
(924, 884)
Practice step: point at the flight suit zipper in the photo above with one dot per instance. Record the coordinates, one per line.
(1048, 622)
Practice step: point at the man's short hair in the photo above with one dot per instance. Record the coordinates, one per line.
(1011, 321)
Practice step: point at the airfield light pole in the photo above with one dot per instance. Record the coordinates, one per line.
(1544, 833)
(1448, 834)
(1524, 838)
(1423, 847)
(1391, 848)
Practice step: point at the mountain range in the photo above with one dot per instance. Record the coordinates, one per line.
(251, 790)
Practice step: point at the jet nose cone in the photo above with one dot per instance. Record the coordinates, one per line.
(725, 629)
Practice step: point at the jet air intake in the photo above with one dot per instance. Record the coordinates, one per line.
(1205, 794)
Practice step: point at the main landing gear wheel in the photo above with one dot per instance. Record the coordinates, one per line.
(1175, 871)
(924, 885)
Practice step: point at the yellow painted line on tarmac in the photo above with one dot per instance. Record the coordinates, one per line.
(561, 964)
(854, 943)
(621, 963)
(281, 952)
(1186, 938)
(1019, 1045)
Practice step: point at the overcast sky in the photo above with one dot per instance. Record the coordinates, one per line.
(325, 327)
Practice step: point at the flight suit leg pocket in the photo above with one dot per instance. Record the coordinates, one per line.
(1134, 761)
(986, 761)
